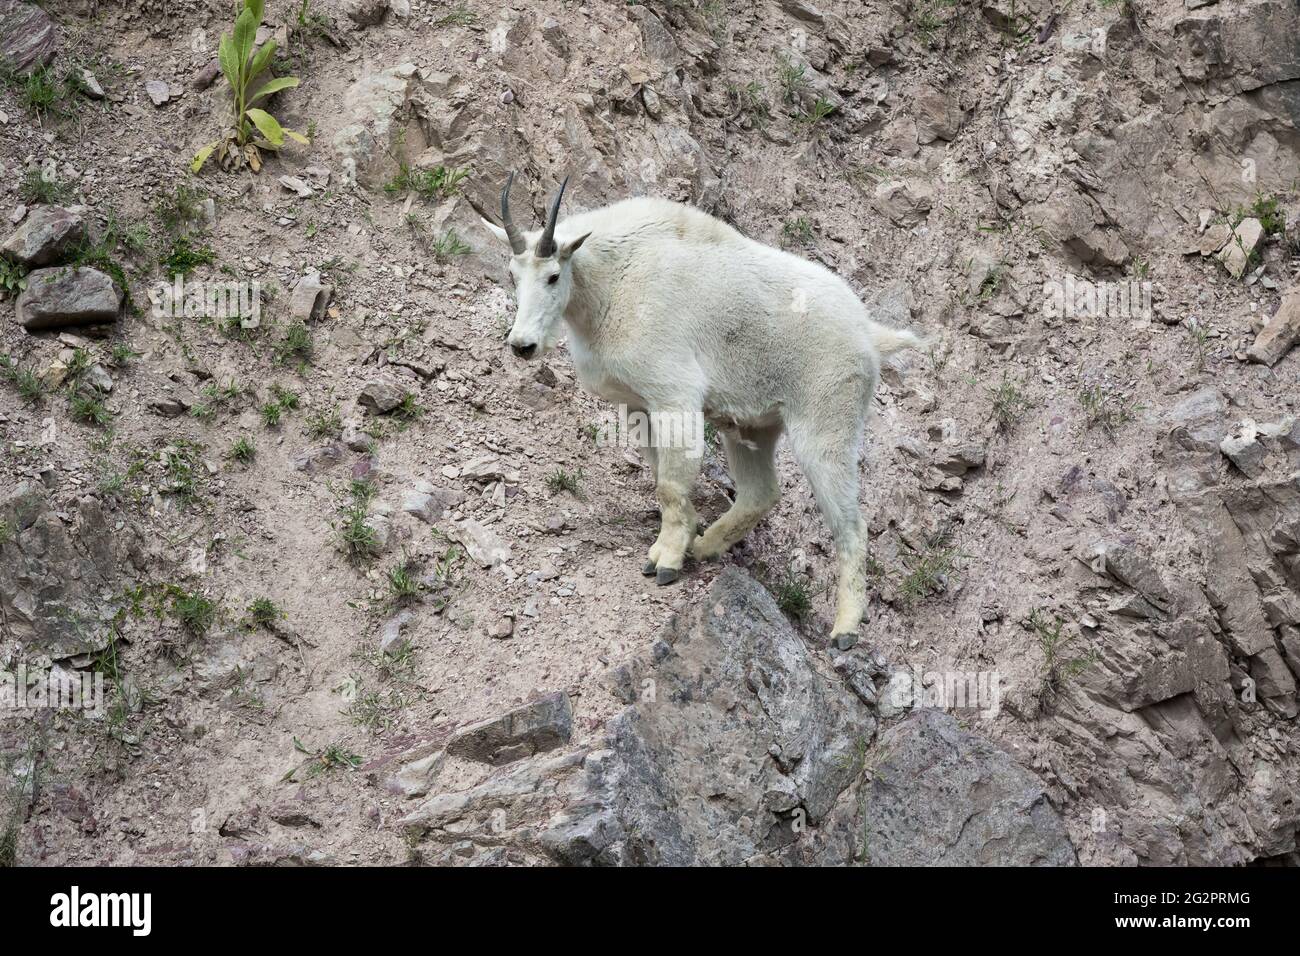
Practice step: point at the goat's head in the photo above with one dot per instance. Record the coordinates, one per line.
(542, 270)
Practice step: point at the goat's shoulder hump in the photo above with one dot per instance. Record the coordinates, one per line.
(678, 220)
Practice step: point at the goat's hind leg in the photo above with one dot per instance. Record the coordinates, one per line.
(827, 449)
(751, 459)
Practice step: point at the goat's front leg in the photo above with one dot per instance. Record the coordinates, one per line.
(677, 470)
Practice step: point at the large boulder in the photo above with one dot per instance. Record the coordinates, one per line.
(58, 578)
(27, 37)
(60, 297)
(945, 797)
(46, 233)
(737, 748)
(383, 112)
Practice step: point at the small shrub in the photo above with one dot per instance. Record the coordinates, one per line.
(297, 343)
(791, 77)
(13, 277)
(403, 582)
(263, 612)
(409, 409)
(437, 182)
(1057, 667)
(821, 109)
(930, 568)
(561, 480)
(89, 411)
(357, 538)
(37, 187)
(1106, 408)
(793, 597)
(450, 245)
(324, 424)
(1009, 403)
(195, 612)
(183, 257)
(333, 757)
(243, 450)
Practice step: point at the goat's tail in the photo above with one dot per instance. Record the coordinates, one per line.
(889, 340)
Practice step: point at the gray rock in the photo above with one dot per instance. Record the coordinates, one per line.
(859, 675)
(520, 790)
(297, 186)
(959, 459)
(940, 796)
(380, 397)
(416, 777)
(483, 545)
(56, 574)
(46, 233)
(27, 36)
(310, 298)
(803, 10)
(319, 458)
(170, 406)
(737, 749)
(378, 124)
(534, 728)
(366, 13)
(1245, 239)
(429, 502)
(390, 635)
(1127, 564)
(1197, 422)
(904, 202)
(206, 75)
(1275, 683)
(1280, 333)
(97, 377)
(159, 92)
(60, 297)
(939, 116)
(1244, 449)
(90, 85)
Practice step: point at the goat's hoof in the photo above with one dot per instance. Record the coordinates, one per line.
(649, 568)
(667, 575)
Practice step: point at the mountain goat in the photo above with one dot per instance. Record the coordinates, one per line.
(672, 312)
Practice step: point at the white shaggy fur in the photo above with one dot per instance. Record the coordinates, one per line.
(671, 310)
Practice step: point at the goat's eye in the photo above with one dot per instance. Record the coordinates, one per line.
(553, 279)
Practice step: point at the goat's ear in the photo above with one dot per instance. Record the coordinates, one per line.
(496, 231)
(569, 248)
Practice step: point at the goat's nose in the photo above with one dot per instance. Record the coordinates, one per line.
(525, 351)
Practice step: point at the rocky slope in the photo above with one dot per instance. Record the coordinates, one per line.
(363, 589)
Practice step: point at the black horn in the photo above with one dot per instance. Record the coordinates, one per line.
(546, 244)
(512, 231)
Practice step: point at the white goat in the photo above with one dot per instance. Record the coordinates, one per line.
(672, 311)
